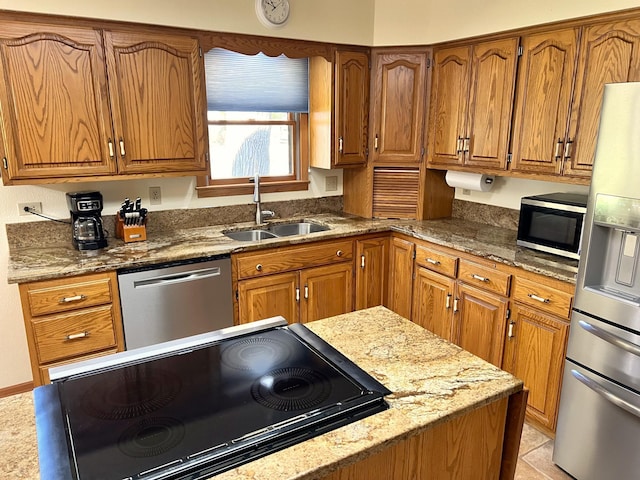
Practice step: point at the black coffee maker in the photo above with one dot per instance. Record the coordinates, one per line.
(86, 222)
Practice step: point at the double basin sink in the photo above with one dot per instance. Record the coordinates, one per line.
(275, 231)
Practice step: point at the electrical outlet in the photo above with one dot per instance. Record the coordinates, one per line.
(32, 206)
(331, 184)
(155, 196)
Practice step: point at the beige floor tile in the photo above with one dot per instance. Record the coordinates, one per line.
(530, 439)
(524, 471)
(540, 459)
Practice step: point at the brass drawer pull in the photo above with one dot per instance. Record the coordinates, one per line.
(432, 261)
(539, 299)
(558, 152)
(479, 278)
(75, 298)
(122, 152)
(339, 253)
(259, 267)
(448, 305)
(75, 336)
(340, 144)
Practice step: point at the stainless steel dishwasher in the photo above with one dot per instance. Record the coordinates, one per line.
(175, 300)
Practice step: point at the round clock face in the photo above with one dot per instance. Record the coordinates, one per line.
(273, 13)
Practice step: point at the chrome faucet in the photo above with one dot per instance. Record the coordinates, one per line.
(256, 199)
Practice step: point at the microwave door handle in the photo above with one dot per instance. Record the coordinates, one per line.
(179, 278)
(606, 394)
(611, 338)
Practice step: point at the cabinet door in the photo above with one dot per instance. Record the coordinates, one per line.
(54, 103)
(398, 109)
(264, 297)
(157, 90)
(433, 302)
(609, 53)
(534, 352)
(542, 105)
(400, 276)
(493, 78)
(371, 272)
(479, 323)
(448, 106)
(326, 291)
(351, 108)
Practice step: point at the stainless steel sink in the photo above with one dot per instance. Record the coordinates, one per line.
(250, 235)
(274, 231)
(298, 228)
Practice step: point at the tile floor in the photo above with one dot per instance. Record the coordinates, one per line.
(534, 459)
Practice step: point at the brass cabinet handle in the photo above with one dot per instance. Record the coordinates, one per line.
(558, 151)
(111, 151)
(455, 305)
(306, 291)
(375, 143)
(75, 298)
(479, 278)
(465, 144)
(432, 261)
(567, 148)
(510, 331)
(539, 299)
(75, 336)
(340, 142)
(339, 253)
(259, 267)
(459, 144)
(448, 305)
(122, 152)
(297, 294)
(361, 261)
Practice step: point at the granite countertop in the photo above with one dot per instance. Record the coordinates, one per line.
(28, 264)
(432, 381)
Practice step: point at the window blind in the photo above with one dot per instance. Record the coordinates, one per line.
(256, 83)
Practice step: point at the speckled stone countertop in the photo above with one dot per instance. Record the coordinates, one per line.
(432, 381)
(61, 260)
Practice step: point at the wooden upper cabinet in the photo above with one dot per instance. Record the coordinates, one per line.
(54, 103)
(471, 103)
(339, 110)
(398, 106)
(158, 99)
(542, 101)
(609, 53)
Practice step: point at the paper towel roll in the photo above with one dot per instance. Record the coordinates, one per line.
(470, 181)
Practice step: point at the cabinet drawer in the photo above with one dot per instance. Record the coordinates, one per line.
(55, 296)
(484, 277)
(437, 261)
(287, 259)
(74, 333)
(44, 371)
(542, 297)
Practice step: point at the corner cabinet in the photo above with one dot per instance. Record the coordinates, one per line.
(472, 93)
(302, 283)
(85, 104)
(339, 110)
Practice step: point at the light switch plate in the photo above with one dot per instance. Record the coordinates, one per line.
(331, 183)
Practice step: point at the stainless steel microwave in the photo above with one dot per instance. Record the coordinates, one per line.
(552, 223)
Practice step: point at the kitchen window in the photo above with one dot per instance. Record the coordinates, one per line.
(257, 115)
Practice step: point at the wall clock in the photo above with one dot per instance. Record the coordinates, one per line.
(273, 13)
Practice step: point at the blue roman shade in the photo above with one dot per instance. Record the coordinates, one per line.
(256, 83)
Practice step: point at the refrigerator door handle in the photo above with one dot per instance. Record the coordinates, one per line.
(606, 394)
(611, 338)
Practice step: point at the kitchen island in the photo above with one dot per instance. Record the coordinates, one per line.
(449, 412)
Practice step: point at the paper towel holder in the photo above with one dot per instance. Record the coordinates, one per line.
(470, 180)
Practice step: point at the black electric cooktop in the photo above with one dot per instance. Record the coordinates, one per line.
(192, 413)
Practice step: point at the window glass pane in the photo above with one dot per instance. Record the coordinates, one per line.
(241, 150)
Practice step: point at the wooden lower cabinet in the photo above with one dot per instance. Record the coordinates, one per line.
(477, 445)
(534, 352)
(299, 296)
(433, 302)
(372, 272)
(401, 254)
(480, 320)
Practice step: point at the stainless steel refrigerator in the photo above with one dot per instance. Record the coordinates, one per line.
(598, 433)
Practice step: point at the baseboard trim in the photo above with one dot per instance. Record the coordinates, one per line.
(16, 389)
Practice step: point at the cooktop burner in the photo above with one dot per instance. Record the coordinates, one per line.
(196, 411)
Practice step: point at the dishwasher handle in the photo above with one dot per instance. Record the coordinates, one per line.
(182, 277)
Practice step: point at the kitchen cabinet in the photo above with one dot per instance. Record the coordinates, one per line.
(472, 91)
(559, 94)
(71, 319)
(401, 253)
(339, 110)
(81, 103)
(302, 283)
(433, 302)
(398, 105)
(372, 271)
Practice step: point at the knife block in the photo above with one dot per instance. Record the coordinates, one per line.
(130, 233)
